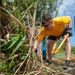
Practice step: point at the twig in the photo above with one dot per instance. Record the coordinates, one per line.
(21, 64)
(32, 72)
(39, 71)
(57, 72)
(16, 55)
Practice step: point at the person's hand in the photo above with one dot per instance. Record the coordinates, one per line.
(34, 49)
(69, 30)
(35, 45)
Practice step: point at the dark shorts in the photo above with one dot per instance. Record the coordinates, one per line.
(54, 37)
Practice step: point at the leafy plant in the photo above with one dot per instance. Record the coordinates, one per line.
(10, 43)
(3, 66)
(13, 15)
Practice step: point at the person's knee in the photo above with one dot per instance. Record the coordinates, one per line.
(49, 44)
(67, 41)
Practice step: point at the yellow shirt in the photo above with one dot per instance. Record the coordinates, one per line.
(57, 30)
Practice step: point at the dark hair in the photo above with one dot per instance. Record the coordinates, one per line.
(46, 17)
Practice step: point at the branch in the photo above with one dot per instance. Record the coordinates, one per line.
(21, 64)
(23, 26)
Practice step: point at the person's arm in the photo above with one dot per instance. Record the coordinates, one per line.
(69, 30)
(70, 22)
(39, 38)
(36, 43)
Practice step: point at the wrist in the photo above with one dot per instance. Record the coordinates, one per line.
(70, 28)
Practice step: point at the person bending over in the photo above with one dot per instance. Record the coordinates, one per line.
(55, 28)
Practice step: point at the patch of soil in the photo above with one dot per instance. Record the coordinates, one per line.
(72, 71)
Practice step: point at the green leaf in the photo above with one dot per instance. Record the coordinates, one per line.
(10, 43)
(23, 57)
(11, 64)
(20, 43)
(14, 40)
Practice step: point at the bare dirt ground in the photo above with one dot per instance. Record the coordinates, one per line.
(58, 64)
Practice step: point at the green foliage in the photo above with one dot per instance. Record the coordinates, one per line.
(43, 6)
(22, 9)
(73, 49)
(10, 65)
(18, 45)
(3, 66)
(10, 43)
(63, 47)
(46, 71)
(48, 6)
(14, 40)
(24, 51)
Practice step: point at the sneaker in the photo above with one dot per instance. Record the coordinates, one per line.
(67, 63)
(49, 61)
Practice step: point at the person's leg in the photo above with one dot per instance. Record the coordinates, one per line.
(68, 51)
(50, 46)
(67, 48)
(44, 55)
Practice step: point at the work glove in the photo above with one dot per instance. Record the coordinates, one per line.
(69, 31)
